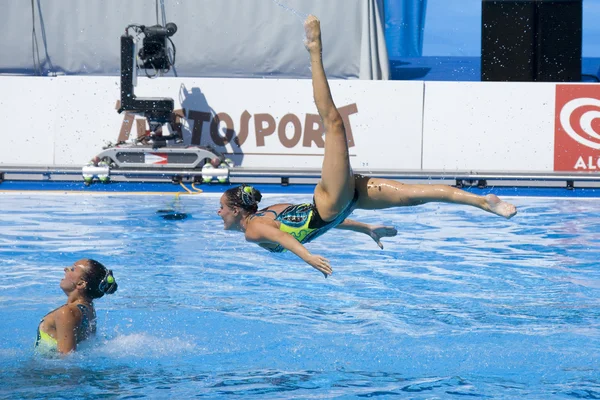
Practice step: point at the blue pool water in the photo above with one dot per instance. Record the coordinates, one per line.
(460, 303)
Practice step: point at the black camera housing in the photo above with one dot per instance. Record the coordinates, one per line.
(153, 53)
(156, 110)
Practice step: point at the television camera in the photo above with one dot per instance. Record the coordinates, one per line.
(152, 154)
(153, 55)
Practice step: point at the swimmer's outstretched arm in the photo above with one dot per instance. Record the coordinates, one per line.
(375, 232)
(263, 233)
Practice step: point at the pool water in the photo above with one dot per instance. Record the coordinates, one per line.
(460, 303)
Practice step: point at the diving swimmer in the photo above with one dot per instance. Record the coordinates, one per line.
(288, 227)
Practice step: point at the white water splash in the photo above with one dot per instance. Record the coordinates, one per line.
(142, 344)
(300, 15)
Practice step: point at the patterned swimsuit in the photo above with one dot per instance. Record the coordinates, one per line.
(304, 223)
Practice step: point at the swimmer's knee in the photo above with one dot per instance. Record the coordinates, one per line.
(333, 122)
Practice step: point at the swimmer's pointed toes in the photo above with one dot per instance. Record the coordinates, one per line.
(511, 210)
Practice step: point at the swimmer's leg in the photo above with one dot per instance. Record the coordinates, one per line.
(336, 188)
(375, 193)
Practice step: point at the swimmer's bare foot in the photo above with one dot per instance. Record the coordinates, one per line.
(312, 28)
(500, 207)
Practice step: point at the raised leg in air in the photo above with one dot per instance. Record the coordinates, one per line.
(336, 188)
(375, 193)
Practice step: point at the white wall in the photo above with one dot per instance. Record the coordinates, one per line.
(28, 110)
(394, 125)
(67, 120)
(488, 126)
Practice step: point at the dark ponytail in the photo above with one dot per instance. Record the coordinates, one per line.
(245, 197)
(100, 280)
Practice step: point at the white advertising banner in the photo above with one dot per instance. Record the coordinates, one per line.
(257, 123)
(391, 125)
(489, 126)
(28, 110)
(274, 123)
(86, 119)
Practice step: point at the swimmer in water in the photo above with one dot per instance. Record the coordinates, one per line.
(288, 227)
(63, 328)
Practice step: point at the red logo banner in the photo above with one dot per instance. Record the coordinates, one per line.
(577, 128)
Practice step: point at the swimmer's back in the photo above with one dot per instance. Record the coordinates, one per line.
(272, 211)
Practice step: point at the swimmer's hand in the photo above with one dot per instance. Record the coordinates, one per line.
(312, 28)
(380, 231)
(320, 263)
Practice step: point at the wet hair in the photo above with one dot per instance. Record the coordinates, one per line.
(245, 197)
(100, 280)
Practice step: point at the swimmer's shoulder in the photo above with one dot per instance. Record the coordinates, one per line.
(69, 312)
(51, 316)
(65, 313)
(259, 224)
(263, 233)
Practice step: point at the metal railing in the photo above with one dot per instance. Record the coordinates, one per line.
(285, 175)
